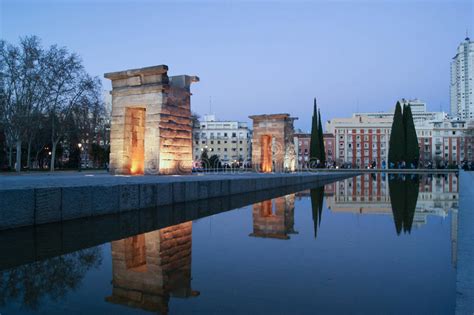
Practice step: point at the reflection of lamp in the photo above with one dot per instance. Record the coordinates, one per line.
(49, 152)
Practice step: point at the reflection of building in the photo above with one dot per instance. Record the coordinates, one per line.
(273, 144)
(149, 268)
(370, 193)
(230, 140)
(274, 218)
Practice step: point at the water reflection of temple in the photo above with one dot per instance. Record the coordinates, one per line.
(370, 194)
(274, 218)
(150, 268)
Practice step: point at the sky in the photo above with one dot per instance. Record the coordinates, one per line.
(263, 57)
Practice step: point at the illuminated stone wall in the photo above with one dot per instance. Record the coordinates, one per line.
(274, 218)
(273, 147)
(166, 133)
(150, 268)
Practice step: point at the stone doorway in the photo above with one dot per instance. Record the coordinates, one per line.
(266, 153)
(273, 143)
(135, 253)
(135, 139)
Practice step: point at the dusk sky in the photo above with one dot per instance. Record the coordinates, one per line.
(266, 56)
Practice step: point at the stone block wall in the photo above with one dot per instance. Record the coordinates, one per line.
(167, 136)
(277, 129)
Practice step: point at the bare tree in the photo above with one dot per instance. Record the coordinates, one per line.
(68, 85)
(22, 89)
(45, 90)
(87, 116)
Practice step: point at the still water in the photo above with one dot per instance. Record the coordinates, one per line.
(365, 245)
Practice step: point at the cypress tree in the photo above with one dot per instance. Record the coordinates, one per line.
(396, 152)
(322, 152)
(412, 152)
(314, 149)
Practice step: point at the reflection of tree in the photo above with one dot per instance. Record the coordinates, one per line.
(317, 196)
(51, 278)
(403, 197)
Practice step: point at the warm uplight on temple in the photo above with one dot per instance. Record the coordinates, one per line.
(266, 152)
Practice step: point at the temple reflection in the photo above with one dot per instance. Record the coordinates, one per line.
(274, 218)
(150, 268)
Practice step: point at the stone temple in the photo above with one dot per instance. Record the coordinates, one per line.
(273, 143)
(151, 130)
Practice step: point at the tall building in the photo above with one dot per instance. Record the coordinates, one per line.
(360, 140)
(462, 81)
(303, 144)
(230, 140)
(364, 137)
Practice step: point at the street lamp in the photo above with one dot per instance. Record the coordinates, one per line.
(79, 145)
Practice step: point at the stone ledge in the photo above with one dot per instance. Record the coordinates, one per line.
(29, 206)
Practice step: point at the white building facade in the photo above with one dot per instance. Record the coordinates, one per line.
(365, 138)
(230, 140)
(462, 81)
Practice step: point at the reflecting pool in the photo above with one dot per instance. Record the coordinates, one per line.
(370, 244)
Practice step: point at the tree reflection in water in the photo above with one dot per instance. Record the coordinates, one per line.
(317, 197)
(403, 198)
(52, 278)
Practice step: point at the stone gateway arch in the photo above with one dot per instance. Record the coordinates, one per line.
(273, 143)
(151, 130)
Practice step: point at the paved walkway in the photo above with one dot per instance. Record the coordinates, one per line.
(465, 246)
(67, 179)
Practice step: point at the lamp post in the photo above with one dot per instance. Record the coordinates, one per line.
(79, 145)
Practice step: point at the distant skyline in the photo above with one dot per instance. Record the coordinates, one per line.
(266, 56)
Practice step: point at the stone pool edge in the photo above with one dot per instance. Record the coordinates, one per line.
(29, 206)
